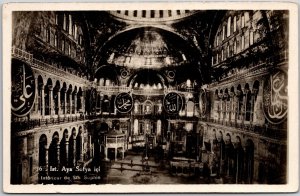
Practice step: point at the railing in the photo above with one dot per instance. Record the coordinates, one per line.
(148, 91)
(258, 65)
(180, 89)
(23, 55)
(34, 123)
(263, 130)
(151, 91)
(114, 88)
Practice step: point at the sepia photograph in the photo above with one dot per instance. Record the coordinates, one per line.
(118, 96)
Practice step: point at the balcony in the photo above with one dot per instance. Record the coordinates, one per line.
(153, 92)
(145, 91)
(35, 63)
(31, 124)
(262, 130)
(113, 89)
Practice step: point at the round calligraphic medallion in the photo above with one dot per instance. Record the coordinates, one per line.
(23, 88)
(124, 102)
(172, 103)
(275, 99)
(124, 73)
(202, 103)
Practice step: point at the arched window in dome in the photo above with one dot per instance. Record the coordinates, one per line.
(234, 23)
(222, 55)
(161, 13)
(55, 39)
(229, 26)
(243, 20)
(228, 51)
(234, 47)
(243, 42)
(251, 37)
(135, 13)
(223, 32)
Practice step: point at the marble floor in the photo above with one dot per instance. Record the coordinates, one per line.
(130, 171)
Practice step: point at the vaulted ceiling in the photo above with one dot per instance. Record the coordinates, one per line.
(185, 40)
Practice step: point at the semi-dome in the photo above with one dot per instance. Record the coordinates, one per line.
(147, 48)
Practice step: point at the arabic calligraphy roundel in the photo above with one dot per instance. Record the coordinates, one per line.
(23, 88)
(172, 103)
(124, 102)
(202, 103)
(275, 99)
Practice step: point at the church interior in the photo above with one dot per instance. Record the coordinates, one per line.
(149, 97)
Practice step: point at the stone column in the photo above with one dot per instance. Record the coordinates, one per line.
(58, 103)
(58, 155)
(82, 102)
(90, 144)
(70, 101)
(74, 151)
(43, 101)
(240, 107)
(232, 107)
(75, 103)
(237, 167)
(65, 101)
(81, 146)
(221, 156)
(36, 106)
(253, 104)
(245, 97)
(228, 162)
(105, 153)
(220, 116)
(51, 108)
(67, 152)
(123, 152)
(116, 153)
(47, 160)
(158, 128)
(237, 102)
(258, 116)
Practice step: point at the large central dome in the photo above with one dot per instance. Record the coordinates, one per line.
(147, 48)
